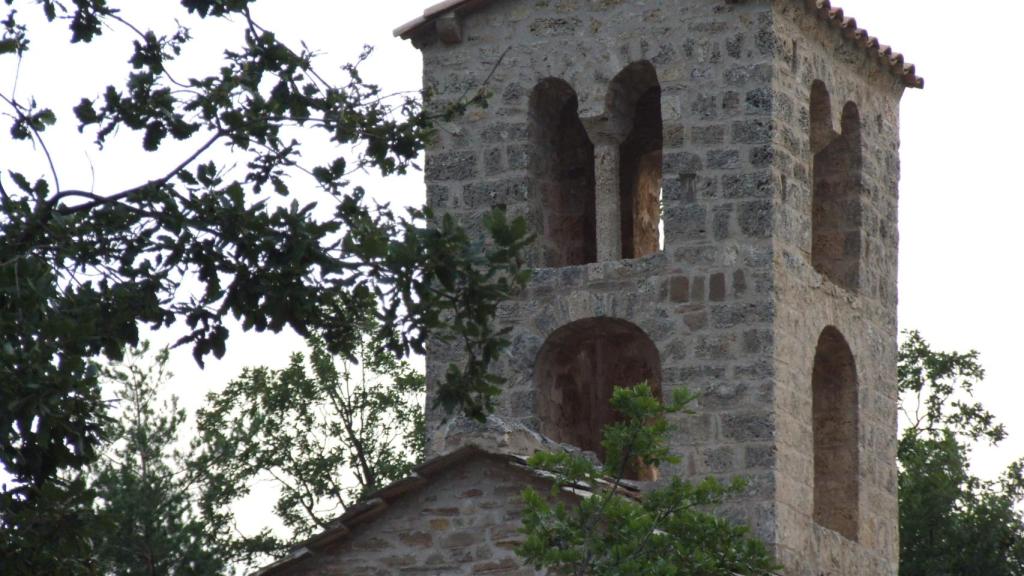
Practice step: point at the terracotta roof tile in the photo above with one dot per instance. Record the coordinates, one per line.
(833, 15)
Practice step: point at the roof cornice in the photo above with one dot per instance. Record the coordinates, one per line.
(831, 15)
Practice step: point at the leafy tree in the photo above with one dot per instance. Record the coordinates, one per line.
(607, 532)
(325, 434)
(134, 504)
(81, 270)
(144, 521)
(49, 536)
(951, 521)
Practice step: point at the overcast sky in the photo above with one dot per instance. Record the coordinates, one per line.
(961, 197)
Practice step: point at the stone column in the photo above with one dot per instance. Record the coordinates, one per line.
(608, 199)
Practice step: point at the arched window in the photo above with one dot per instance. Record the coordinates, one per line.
(836, 210)
(822, 133)
(634, 103)
(561, 171)
(836, 454)
(577, 369)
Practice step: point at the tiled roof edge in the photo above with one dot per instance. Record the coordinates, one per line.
(376, 503)
(832, 15)
(836, 18)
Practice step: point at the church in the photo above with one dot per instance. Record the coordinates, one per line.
(713, 186)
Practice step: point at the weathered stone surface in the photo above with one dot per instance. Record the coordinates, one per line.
(451, 166)
(486, 194)
(717, 291)
(723, 159)
(732, 298)
(752, 132)
(463, 521)
(679, 289)
(747, 426)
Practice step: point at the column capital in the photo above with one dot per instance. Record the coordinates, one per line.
(603, 131)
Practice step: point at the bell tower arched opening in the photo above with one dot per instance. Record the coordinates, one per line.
(836, 427)
(577, 370)
(836, 210)
(634, 102)
(561, 168)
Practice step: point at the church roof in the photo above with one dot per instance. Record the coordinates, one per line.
(832, 15)
(375, 504)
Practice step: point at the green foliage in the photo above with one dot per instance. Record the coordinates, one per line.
(606, 532)
(145, 520)
(44, 535)
(952, 522)
(134, 503)
(324, 435)
(81, 271)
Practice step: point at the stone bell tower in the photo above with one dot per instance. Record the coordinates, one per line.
(713, 185)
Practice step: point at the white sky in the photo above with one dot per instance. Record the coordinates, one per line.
(961, 198)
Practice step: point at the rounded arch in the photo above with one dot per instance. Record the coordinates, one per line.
(836, 425)
(821, 117)
(561, 169)
(851, 120)
(634, 112)
(578, 367)
(836, 218)
(626, 90)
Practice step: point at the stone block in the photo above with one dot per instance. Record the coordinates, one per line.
(679, 289)
(708, 135)
(449, 166)
(717, 460)
(755, 218)
(488, 194)
(747, 185)
(716, 292)
(747, 426)
(723, 159)
(504, 132)
(757, 131)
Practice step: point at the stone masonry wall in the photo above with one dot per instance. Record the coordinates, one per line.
(807, 302)
(706, 298)
(731, 302)
(464, 522)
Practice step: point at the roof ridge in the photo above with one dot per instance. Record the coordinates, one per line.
(375, 504)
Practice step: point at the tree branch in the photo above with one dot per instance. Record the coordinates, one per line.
(142, 35)
(5, 197)
(19, 110)
(98, 200)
